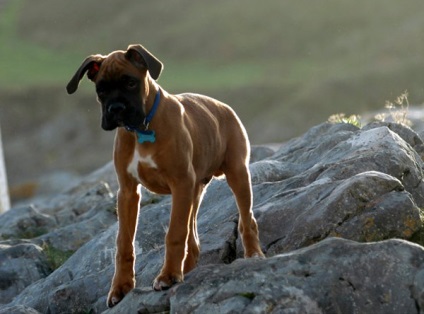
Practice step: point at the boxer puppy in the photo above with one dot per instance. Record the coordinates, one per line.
(170, 144)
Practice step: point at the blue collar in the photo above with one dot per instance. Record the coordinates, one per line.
(147, 135)
(152, 112)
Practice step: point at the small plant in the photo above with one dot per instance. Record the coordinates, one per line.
(398, 110)
(55, 257)
(341, 118)
(248, 295)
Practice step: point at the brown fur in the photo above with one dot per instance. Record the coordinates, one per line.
(197, 138)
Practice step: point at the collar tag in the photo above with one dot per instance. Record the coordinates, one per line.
(146, 136)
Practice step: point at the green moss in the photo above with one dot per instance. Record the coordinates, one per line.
(32, 233)
(248, 295)
(56, 257)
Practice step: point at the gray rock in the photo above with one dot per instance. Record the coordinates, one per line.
(18, 309)
(335, 181)
(21, 264)
(55, 227)
(333, 276)
(405, 132)
(259, 152)
(79, 283)
(143, 300)
(370, 206)
(25, 222)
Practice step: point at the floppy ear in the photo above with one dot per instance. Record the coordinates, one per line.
(91, 65)
(140, 56)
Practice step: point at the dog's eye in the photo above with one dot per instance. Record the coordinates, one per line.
(131, 84)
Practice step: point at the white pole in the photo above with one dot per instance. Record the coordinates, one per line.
(4, 195)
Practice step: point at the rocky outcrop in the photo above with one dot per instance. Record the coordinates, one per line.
(319, 200)
(333, 276)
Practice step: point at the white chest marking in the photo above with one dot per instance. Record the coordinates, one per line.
(133, 166)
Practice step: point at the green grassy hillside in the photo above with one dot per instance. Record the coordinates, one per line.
(283, 65)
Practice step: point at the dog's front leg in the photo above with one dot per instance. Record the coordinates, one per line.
(124, 279)
(177, 236)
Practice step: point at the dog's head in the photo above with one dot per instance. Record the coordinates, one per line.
(121, 80)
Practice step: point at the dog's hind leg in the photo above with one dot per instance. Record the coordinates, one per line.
(238, 178)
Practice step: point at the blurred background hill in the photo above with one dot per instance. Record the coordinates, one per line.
(282, 65)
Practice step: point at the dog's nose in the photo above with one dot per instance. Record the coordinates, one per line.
(116, 107)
